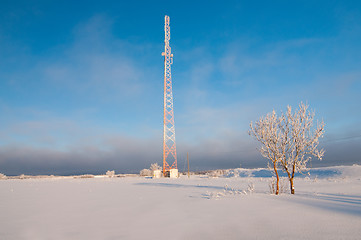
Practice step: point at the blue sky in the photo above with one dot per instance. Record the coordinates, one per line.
(81, 82)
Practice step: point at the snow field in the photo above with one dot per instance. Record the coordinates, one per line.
(195, 208)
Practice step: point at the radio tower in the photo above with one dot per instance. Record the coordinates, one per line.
(169, 147)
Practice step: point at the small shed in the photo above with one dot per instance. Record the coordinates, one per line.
(157, 174)
(173, 173)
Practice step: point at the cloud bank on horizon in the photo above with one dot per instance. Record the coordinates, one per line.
(81, 87)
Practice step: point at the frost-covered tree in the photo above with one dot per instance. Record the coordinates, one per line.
(290, 140)
(301, 139)
(110, 173)
(155, 166)
(150, 171)
(145, 173)
(268, 132)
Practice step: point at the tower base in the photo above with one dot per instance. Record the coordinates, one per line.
(172, 173)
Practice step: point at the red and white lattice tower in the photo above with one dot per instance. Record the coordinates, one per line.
(169, 146)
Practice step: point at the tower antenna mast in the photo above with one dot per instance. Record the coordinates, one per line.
(169, 146)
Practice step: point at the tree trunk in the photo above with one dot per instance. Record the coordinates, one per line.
(291, 178)
(292, 186)
(277, 179)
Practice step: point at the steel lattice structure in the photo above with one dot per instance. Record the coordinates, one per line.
(169, 146)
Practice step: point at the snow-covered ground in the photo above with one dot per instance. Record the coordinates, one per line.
(326, 207)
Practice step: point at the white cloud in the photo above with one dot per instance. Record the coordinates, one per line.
(96, 63)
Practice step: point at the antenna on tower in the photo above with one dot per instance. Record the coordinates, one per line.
(169, 146)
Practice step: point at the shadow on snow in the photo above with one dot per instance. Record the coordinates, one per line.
(348, 204)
